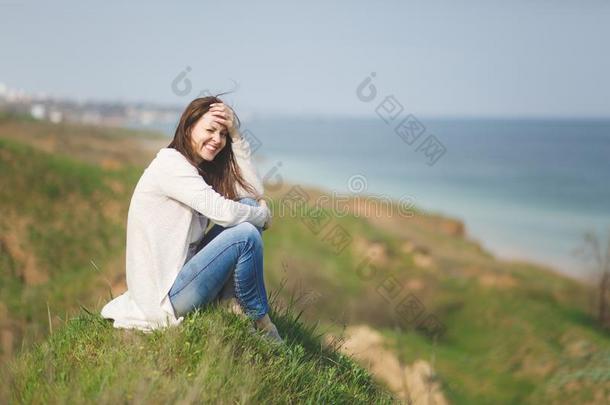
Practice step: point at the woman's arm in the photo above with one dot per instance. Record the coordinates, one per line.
(241, 150)
(178, 179)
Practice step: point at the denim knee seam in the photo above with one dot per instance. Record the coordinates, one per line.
(258, 291)
(258, 296)
(242, 304)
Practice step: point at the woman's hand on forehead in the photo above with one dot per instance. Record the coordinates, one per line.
(223, 115)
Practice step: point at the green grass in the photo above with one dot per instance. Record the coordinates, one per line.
(210, 357)
(502, 345)
(55, 213)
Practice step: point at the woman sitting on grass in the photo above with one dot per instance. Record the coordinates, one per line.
(172, 268)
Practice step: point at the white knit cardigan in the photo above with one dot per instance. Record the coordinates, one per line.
(168, 211)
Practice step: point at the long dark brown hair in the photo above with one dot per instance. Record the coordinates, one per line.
(223, 172)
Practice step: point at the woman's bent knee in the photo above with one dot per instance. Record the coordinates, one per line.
(249, 231)
(251, 201)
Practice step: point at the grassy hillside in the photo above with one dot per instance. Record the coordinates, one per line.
(503, 332)
(64, 195)
(509, 332)
(57, 217)
(210, 357)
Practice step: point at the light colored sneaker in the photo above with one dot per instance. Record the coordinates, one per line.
(273, 336)
(269, 330)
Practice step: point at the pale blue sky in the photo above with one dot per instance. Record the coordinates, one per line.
(479, 58)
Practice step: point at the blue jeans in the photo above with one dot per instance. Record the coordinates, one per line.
(225, 255)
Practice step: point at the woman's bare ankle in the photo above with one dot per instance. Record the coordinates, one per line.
(264, 322)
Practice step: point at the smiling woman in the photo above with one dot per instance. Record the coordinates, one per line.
(172, 268)
(209, 137)
(201, 136)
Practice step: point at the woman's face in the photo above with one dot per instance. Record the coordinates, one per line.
(208, 137)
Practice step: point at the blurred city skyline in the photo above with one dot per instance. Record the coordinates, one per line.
(480, 59)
